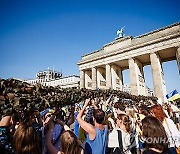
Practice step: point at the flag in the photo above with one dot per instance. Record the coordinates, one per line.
(174, 97)
(174, 92)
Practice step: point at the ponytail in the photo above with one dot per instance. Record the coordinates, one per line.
(126, 121)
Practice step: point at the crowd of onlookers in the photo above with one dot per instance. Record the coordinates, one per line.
(92, 125)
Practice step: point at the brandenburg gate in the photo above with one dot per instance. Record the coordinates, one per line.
(103, 68)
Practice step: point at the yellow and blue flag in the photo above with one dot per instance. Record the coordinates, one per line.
(173, 95)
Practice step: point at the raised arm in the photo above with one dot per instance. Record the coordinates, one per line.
(86, 126)
(66, 127)
(93, 104)
(50, 146)
(5, 121)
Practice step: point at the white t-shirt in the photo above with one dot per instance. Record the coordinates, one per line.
(175, 109)
(173, 133)
(113, 140)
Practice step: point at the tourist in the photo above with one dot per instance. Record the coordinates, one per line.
(56, 133)
(124, 128)
(5, 135)
(120, 108)
(96, 135)
(26, 140)
(69, 142)
(155, 136)
(175, 113)
(172, 132)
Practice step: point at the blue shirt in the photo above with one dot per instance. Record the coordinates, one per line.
(98, 145)
(76, 125)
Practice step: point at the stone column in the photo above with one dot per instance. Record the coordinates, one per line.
(117, 80)
(108, 76)
(137, 82)
(101, 78)
(82, 79)
(88, 79)
(158, 76)
(94, 78)
(178, 58)
(98, 78)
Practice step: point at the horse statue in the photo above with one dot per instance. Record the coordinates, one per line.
(120, 33)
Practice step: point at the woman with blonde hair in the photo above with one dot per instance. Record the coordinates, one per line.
(26, 140)
(69, 143)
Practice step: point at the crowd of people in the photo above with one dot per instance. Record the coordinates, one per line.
(48, 120)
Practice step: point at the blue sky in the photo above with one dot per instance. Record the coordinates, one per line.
(37, 34)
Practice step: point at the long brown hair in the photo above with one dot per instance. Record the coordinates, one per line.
(26, 140)
(126, 121)
(154, 133)
(158, 111)
(69, 143)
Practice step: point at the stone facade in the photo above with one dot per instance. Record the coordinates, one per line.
(103, 68)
